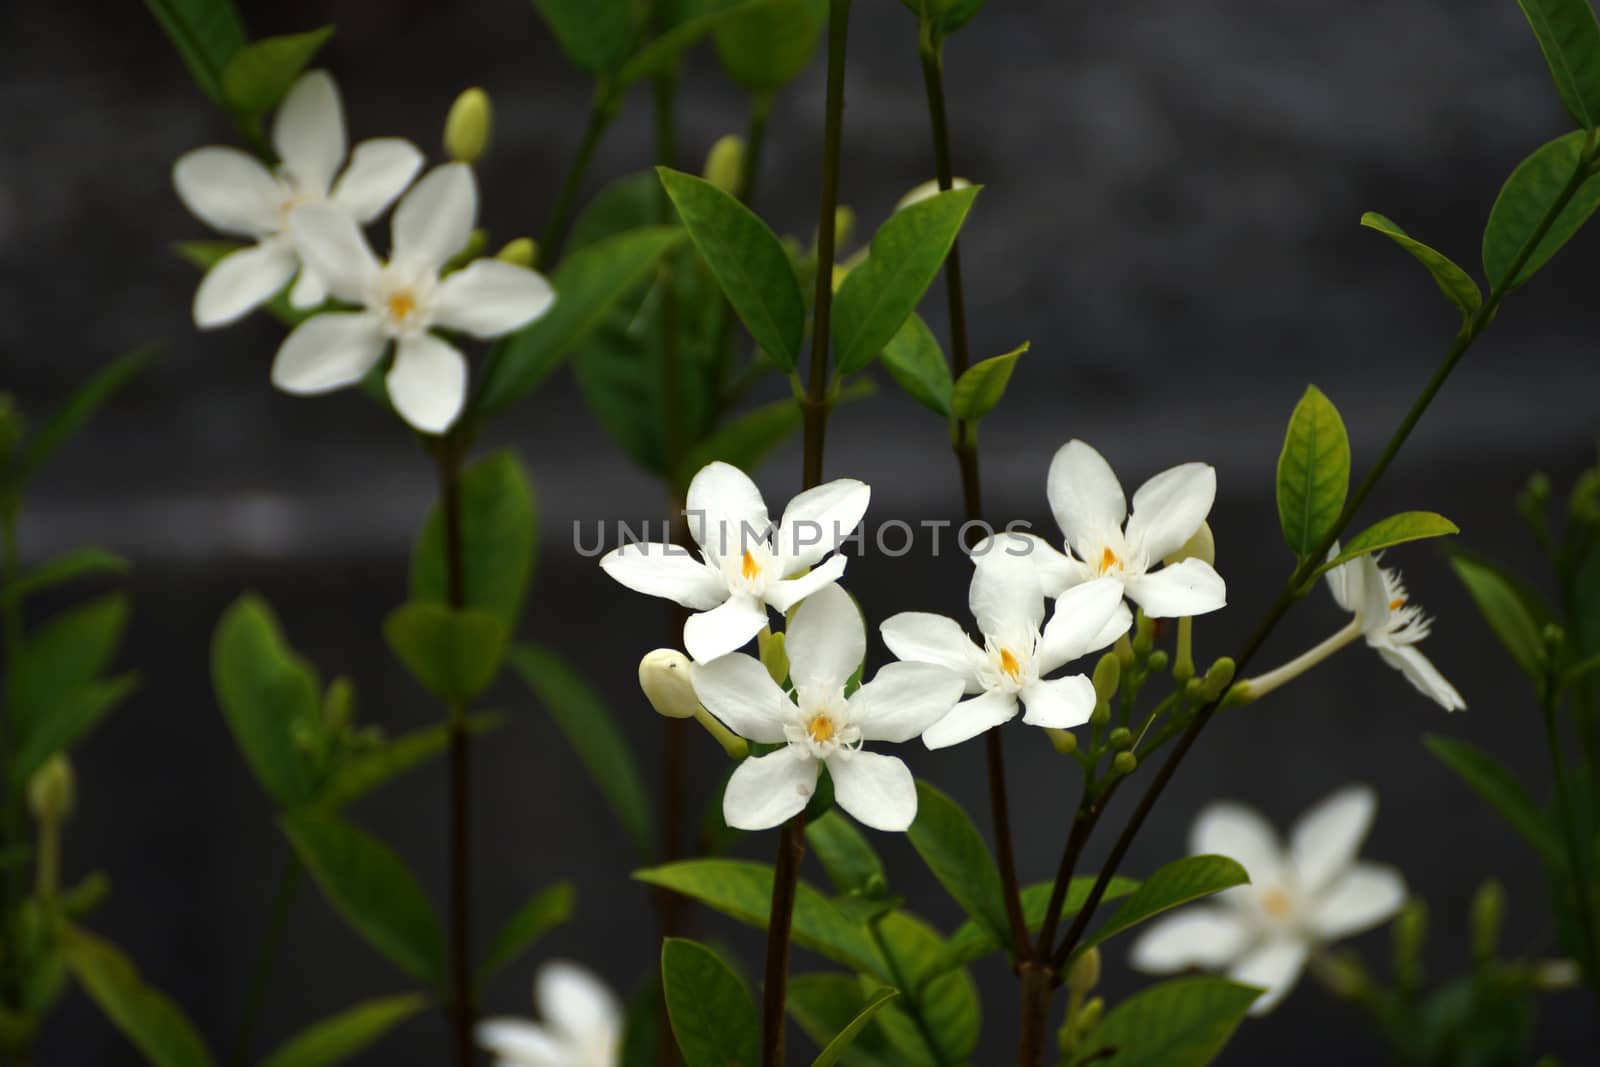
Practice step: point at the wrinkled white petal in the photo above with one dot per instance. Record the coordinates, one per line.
(826, 640)
(1004, 596)
(428, 383)
(766, 791)
(1085, 495)
(1199, 936)
(738, 690)
(789, 592)
(1422, 674)
(328, 352)
(309, 290)
(1191, 587)
(1081, 618)
(1059, 703)
(1341, 582)
(1326, 839)
(725, 628)
(521, 1044)
(903, 699)
(229, 191)
(574, 1001)
(488, 298)
(970, 718)
(666, 571)
(923, 637)
(817, 520)
(1274, 967)
(330, 243)
(379, 171)
(1362, 897)
(877, 790)
(1241, 834)
(434, 219)
(308, 133)
(1169, 508)
(1121, 622)
(242, 281)
(724, 510)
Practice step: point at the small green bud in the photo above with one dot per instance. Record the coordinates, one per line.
(339, 706)
(844, 226)
(1084, 974)
(1121, 738)
(1123, 650)
(1158, 660)
(468, 126)
(725, 163)
(1089, 1017)
(1144, 635)
(1218, 675)
(521, 252)
(1488, 918)
(52, 791)
(1554, 636)
(1202, 546)
(1584, 504)
(664, 677)
(774, 655)
(1064, 741)
(876, 887)
(1107, 676)
(1409, 933)
(1101, 714)
(1125, 763)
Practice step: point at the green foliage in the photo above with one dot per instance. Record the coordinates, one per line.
(267, 693)
(591, 730)
(206, 34)
(454, 654)
(744, 441)
(65, 654)
(946, 16)
(1569, 37)
(547, 909)
(980, 388)
(1386, 533)
(846, 1037)
(971, 942)
(826, 1005)
(595, 34)
(1456, 284)
(658, 55)
(339, 1037)
(1506, 607)
(938, 1019)
(147, 1017)
(1313, 472)
(1529, 194)
(359, 773)
(642, 1026)
(915, 361)
(1497, 787)
(69, 566)
(258, 75)
(956, 853)
(878, 296)
(1179, 882)
(499, 537)
(80, 407)
(712, 1015)
(766, 46)
(853, 865)
(1181, 1023)
(80, 710)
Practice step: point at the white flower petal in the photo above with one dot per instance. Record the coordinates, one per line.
(520, 1043)
(877, 790)
(434, 220)
(1085, 496)
(1082, 616)
(1421, 673)
(1004, 596)
(328, 352)
(668, 571)
(766, 791)
(488, 298)
(923, 637)
(1059, 703)
(903, 699)
(574, 1001)
(428, 382)
(1241, 834)
(1121, 622)
(826, 640)
(1372, 600)
(379, 171)
(787, 593)
(1340, 582)
(1057, 571)
(308, 133)
(242, 281)
(725, 512)
(330, 243)
(1191, 587)
(1275, 967)
(1326, 839)
(1198, 936)
(725, 628)
(1169, 508)
(738, 690)
(229, 191)
(309, 290)
(1364, 896)
(817, 520)
(970, 718)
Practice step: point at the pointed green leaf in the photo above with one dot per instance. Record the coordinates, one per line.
(915, 361)
(591, 730)
(658, 55)
(1313, 472)
(372, 889)
(876, 297)
(713, 1017)
(258, 75)
(499, 537)
(65, 653)
(1527, 197)
(1505, 608)
(206, 34)
(959, 858)
(365, 771)
(826, 1004)
(846, 1037)
(147, 1017)
(78, 712)
(1179, 882)
(69, 566)
(746, 440)
(80, 407)
(1453, 282)
(1386, 533)
(1181, 1023)
(979, 389)
(938, 1019)
(454, 654)
(971, 942)
(1569, 37)
(594, 34)
(1501, 791)
(852, 863)
(339, 1037)
(265, 690)
(768, 45)
(947, 16)
(549, 908)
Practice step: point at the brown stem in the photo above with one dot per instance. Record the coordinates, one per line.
(1000, 806)
(1035, 1025)
(785, 879)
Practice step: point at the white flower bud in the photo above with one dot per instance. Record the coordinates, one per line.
(1202, 546)
(664, 677)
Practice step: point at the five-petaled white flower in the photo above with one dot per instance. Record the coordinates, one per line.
(825, 642)
(1390, 623)
(404, 299)
(1015, 656)
(1314, 893)
(582, 1024)
(236, 194)
(746, 564)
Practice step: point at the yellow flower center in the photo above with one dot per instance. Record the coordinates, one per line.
(1010, 664)
(1275, 902)
(749, 568)
(1397, 603)
(1108, 559)
(820, 727)
(402, 304)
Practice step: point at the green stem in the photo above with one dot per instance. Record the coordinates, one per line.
(266, 959)
(785, 881)
(601, 112)
(10, 813)
(1576, 861)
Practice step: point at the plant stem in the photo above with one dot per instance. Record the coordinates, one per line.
(601, 112)
(266, 959)
(785, 879)
(10, 813)
(1550, 702)
(1005, 854)
(1035, 1033)
(1262, 684)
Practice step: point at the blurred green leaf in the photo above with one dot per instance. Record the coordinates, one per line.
(206, 34)
(915, 361)
(658, 55)
(746, 440)
(65, 653)
(947, 16)
(339, 1037)
(713, 1017)
(1569, 37)
(595, 34)
(971, 942)
(454, 654)
(825, 1005)
(80, 407)
(258, 75)
(1386, 533)
(78, 712)
(265, 691)
(956, 853)
(499, 539)
(852, 863)
(1313, 472)
(366, 770)
(1455, 283)
(642, 1038)
(1501, 601)
(1181, 1023)
(767, 46)
(1528, 195)
(846, 1037)
(938, 1019)
(547, 909)
(1179, 882)
(67, 567)
(980, 388)
(1498, 788)
(148, 1018)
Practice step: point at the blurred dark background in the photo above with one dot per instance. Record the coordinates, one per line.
(1174, 187)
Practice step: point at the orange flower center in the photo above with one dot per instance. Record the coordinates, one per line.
(1275, 902)
(749, 568)
(820, 727)
(1010, 664)
(402, 304)
(1397, 603)
(1108, 559)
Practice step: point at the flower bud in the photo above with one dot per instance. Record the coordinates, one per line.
(1121, 738)
(1554, 636)
(1084, 974)
(1089, 1017)
(1584, 504)
(664, 677)
(774, 656)
(339, 706)
(1410, 931)
(1123, 650)
(1488, 917)
(1107, 676)
(844, 226)
(468, 126)
(1202, 546)
(521, 252)
(52, 791)
(1125, 763)
(1144, 635)
(1064, 741)
(1217, 677)
(725, 164)
(1158, 660)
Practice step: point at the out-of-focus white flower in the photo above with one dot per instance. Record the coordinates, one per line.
(236, 194)
(927, 191)
(404, 300)
(581, 1024)
(819, 724)
(746, 565)
(1011, 664)
(1390, 623)
(1314, 892)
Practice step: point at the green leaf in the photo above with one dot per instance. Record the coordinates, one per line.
(846, 1037)
(959, 858)
(915, 361)
(972, 942)
(1528, 195)
(1386, 533)
(591, 730)
(658, 55)
(1504, 608)
(825, 1005)
(372, 888)
(63, 655)
(1501, 791)
(1453, 282)
(907, 251)
(642, 1040)
(67, 567)
(499, 538)
(947, 16)
(1569, 37)
(548, 908)
(454, 654)
(1313, 472)
(339, 1037)
(712, 1014)
(265, 690)
(767, 46)
(589, 282)
(258, 75)
(206, 34)
(594, 34)
(743, 890)
(147, 1017)
(938, 1019)
(1179, 882)
(365, 771)
(746, 440)
(980, 388)
(80, 407)
(1181, 1023)
(79, 711)
(852, 863)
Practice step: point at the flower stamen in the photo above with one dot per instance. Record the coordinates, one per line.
(1010, 664)
(820, 727)
(1108, 559)
(402, 304)
(1275, 902)
(749, 569)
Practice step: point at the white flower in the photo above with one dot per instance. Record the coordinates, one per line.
(1298, 899)
(819, 724)
(582, 1024)
(234, 193)
(405, 298)
(1390, 623)
(1015, 656)
(746, 565)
